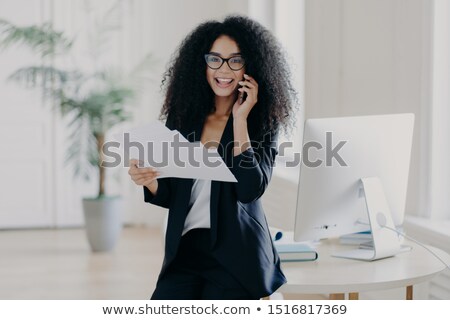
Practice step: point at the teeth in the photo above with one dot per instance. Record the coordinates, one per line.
(224, 80)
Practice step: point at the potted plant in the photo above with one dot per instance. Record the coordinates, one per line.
(91, 102)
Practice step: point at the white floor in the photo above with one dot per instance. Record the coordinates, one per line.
(58, 264)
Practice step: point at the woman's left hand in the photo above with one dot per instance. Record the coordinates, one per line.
(250, 86)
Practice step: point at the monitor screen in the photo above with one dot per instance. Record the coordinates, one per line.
(337, 153)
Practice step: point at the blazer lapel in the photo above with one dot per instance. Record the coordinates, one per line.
(196, 133)
(185, 185)
(225, 149)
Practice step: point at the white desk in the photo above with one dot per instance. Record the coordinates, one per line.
(338, 276)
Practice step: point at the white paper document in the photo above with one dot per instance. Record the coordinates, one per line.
(155, 145)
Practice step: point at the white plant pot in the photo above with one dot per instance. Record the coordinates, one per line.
(103, 220)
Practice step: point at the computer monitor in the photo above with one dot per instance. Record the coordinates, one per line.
(337, 153)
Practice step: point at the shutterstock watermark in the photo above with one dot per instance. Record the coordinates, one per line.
(183, 153)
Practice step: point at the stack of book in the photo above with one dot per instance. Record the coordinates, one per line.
(360, 238)
(290, 250)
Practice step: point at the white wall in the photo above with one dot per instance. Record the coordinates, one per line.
(439, 150)
(370, 57)
(26, 128)
(288, 25)
(374, 57)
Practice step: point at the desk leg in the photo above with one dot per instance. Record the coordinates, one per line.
(337, 296)
(409, 293)
(353, 296)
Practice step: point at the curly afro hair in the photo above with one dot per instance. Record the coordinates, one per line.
(189, 98)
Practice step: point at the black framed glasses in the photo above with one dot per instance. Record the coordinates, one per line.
(215, 62)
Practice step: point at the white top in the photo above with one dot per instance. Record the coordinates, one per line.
(199, 213)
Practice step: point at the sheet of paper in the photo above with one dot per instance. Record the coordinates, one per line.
(172, 154)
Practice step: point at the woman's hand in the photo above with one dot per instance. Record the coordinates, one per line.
(143, 176)
(249, 86)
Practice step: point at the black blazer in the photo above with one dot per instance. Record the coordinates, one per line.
(240, 238)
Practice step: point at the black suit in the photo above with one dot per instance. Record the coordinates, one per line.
(240, 239)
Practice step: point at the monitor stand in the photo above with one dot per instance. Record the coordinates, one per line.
(386, 243)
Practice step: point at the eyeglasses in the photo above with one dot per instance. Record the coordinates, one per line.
(215, 62)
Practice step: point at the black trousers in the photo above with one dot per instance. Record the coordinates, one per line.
(195, 274)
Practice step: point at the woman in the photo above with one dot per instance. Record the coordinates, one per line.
(228, 86)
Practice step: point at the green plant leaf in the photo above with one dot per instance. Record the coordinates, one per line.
(91, 103)
(41, 39)
(49, 78)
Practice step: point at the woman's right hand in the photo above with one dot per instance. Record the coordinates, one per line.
(143, 176)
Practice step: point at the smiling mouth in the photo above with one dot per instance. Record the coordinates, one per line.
(224, 82)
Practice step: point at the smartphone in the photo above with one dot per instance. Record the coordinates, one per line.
(242, 96)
